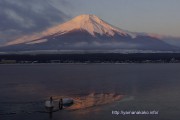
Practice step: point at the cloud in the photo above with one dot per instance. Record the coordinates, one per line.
(19, 17)
(104, 45)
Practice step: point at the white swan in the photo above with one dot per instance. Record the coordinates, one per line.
(63, 102)
(49, 104)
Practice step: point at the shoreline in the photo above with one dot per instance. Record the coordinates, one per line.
(82, 63)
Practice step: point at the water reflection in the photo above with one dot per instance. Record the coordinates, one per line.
(92, 100)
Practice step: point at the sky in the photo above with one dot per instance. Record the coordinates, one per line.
(22, 17)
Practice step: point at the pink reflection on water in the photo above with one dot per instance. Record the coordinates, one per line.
(92, 100)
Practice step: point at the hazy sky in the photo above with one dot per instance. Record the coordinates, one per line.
(154, 16)
(19, 17)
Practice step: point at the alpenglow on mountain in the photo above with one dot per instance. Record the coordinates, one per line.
(87, 33)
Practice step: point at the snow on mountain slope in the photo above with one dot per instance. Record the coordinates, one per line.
(90, 23)
(88, 32)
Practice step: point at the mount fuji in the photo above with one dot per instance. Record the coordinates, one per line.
(87, 33)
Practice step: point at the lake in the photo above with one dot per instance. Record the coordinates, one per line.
(100, 91)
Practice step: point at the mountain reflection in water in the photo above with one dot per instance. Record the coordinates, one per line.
(92, 100)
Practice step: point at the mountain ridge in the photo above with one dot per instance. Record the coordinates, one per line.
(88, 32)
(90, 23)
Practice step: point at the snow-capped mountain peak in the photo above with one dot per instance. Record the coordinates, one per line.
(88, 32)
(90, 23)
